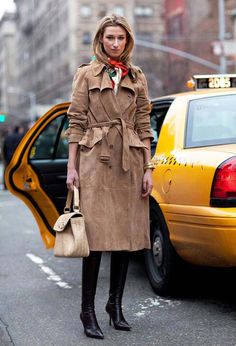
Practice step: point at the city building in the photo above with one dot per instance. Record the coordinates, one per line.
(203, 30)
(54, 37)
(42, 45)
(8, 67)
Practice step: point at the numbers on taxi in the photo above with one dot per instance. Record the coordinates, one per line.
(219, 82)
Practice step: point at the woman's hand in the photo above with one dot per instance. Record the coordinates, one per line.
(72, 175)
(147, 183)
(72, 178)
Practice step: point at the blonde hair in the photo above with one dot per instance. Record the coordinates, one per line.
(125, 58)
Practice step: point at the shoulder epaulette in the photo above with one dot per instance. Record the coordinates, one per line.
(83, 65)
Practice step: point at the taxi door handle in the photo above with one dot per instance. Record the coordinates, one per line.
(61, 177)
(29, 184)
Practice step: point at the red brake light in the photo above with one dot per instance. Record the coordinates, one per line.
(223, 192)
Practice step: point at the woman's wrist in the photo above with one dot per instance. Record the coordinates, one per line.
(149, 165)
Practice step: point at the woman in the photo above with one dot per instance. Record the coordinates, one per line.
(109, 159)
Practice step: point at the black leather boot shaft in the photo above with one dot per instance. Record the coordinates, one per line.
(118, 273)
(90, 272)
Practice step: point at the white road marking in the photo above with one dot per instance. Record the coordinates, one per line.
(51, 275)
(9, 204)
(147, 304)
(29, 231)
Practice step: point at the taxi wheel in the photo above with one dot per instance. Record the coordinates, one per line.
(161, 260)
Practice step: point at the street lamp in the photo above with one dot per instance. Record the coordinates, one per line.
(221, 14)
(32, 99)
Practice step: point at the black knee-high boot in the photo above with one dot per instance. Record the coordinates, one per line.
(119, 267)
(90, 271)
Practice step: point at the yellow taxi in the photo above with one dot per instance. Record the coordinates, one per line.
(193, 203)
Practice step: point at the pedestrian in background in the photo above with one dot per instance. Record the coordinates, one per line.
(10, 143)
(109, 159)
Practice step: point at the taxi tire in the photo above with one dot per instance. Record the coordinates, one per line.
(161, 261)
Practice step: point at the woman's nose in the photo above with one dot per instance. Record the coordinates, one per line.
(115, 43)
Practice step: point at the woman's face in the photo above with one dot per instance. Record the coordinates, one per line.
(114, 40)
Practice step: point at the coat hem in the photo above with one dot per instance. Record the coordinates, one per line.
(121, 249)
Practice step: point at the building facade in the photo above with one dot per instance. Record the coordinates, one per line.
(54, 37)
(194, 27)
(8, 67)
(42, 45)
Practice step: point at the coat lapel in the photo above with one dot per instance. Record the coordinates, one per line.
(126, 83)
(108, 98)
(114, 106)
(126, 94)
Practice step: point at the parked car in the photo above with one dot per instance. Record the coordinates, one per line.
(193, 203)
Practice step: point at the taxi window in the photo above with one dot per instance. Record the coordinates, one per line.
(158, 114)
(52, 142)
(211, 121)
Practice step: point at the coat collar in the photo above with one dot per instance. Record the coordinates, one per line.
(113, 105)
(97, 67)
(126, 83)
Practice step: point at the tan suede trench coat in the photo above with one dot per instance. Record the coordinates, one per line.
(109, 129)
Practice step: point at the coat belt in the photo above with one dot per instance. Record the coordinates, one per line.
(105, 152)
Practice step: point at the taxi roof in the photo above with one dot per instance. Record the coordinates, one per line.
(193, 94)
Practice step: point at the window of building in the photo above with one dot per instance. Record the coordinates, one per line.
(85, 11)
(119, 10)
(143, 11)
(175, 25)
(145, 36)
(36, 3)
(25, 56)
(86, 38)
(102, 10)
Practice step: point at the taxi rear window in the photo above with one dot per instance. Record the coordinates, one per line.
(211, 121)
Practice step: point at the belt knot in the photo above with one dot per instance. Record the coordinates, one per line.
(105, 150)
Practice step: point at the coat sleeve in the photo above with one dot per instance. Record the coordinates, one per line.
(142, 125)
(77, 112)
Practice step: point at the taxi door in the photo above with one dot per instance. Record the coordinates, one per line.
(37, 171)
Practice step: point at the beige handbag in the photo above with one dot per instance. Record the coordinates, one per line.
(71, 239)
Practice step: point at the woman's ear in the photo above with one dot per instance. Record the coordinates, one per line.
(101, 38)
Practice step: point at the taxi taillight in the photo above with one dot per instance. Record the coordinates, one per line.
(223, 192)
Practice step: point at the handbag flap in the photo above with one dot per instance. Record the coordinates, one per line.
(63, 220)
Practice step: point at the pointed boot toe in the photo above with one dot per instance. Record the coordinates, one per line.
(116, 316)
(91, 327)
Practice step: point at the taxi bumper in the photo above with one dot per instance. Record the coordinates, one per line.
(203, 235)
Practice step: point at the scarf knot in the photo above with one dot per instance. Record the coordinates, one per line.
(116, 71)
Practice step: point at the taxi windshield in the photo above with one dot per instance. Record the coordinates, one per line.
(211, 121)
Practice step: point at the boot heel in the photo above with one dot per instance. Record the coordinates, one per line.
(109, 313)
(116, 317)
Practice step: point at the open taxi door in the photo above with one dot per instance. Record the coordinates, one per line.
(37, 171)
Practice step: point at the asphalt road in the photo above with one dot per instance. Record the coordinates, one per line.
(40, 297)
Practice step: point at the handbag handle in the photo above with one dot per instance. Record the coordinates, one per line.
(75, 196)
